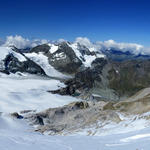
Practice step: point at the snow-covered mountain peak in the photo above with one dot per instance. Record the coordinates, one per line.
(4, 51)
(64, 56)
(86, 53)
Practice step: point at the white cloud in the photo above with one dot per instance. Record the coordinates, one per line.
(37, 42)
(61, 40)
(111, 44)
(17, 41)
(85, 41)
(21, 43)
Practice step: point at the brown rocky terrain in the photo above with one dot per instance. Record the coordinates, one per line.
(84, 114)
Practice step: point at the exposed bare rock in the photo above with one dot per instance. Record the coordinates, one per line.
(79, 105)
(83, 114)
(72, 117)
(109, 106)
(137, 107)
(16, 115)
(27, 111)
(65, 59)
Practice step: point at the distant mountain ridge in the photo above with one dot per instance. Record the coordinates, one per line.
(118, 55)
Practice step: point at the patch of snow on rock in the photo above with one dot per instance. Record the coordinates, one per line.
(42, 60)
(4, 51)
(53, 48)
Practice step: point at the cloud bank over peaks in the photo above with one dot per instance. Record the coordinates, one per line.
(86, 42)
(111, 44)
(22, 43)
(124, 47)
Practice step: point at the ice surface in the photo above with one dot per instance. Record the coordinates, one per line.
(29, 93)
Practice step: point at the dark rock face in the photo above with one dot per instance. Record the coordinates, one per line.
(16, 115)
(83, 80)
(65, 60)
(90, 75)
(39, 120)
(128, 77)
(40, 48)
(13, 65)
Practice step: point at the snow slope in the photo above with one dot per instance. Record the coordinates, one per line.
(16, 135)
(29, 92)
(4, 51)
(42, 60)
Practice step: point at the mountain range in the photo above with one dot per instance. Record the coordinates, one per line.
(89, 73)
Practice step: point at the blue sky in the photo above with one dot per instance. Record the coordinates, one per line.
(120, 20)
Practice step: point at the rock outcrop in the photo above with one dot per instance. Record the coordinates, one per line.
(82, 115)
(13, 65)
(65, 59)
(71, 117)
(15, 61)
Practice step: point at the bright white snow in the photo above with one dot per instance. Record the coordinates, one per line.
(4, 51)
(88, 59)
(53, 48)
(42, 60)
(29, 93)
